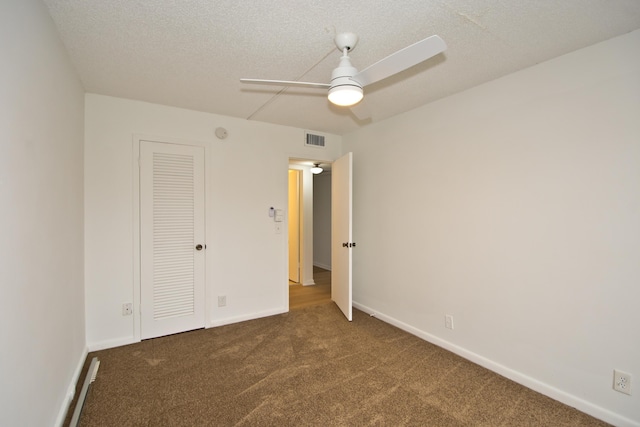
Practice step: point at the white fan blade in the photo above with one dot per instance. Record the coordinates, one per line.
(401, 60)
(361, 111)
(286, 83)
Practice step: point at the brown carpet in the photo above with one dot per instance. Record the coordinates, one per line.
(309, 367)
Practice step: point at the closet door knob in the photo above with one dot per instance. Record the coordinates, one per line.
(198, 247)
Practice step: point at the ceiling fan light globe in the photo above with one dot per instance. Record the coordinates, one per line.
(345, 96)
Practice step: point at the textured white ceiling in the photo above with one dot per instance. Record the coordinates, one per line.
(191, 54)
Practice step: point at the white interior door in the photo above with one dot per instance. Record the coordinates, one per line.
(172, 246)
(341, 239)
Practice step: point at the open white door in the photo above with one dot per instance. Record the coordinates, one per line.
(172, 269)
(341, 242)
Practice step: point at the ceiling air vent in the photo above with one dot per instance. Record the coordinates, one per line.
(313, 140)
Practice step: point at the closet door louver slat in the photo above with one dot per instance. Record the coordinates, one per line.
(173, 237)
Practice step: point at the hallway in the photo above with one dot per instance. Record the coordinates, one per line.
(304, 296)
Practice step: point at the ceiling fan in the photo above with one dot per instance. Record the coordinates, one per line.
(345, 87)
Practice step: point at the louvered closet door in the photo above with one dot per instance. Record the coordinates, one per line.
(171, 227)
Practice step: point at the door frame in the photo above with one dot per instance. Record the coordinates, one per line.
(308, 234)
(306, 225)
(135, 165)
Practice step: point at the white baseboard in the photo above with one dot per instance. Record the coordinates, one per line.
(308, 283)
(71, 389)
(103, 345)
(245, 317)
(324, 266)
(525, 380)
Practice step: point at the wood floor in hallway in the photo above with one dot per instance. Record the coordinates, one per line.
(304, 296)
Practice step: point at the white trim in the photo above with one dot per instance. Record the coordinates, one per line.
(71, 390)
(118, 342)
(245, 317)
(323, 266)
(135, 221)
(525, 380)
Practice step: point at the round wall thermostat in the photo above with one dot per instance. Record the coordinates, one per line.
(221, 133)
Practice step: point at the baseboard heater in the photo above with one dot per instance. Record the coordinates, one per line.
(89, 379)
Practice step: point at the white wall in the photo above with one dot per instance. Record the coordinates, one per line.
(515, 208)
(247, 174)
(41, 219)
(322, 220)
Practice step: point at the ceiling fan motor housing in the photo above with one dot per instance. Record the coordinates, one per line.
(344, 90)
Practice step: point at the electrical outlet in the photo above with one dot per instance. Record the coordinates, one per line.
(622, 382)
(448, 321)
(127, 309)
(222, 301)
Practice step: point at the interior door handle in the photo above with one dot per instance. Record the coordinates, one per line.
(198, 247)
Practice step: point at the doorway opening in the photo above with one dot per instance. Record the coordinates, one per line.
(309, 226)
